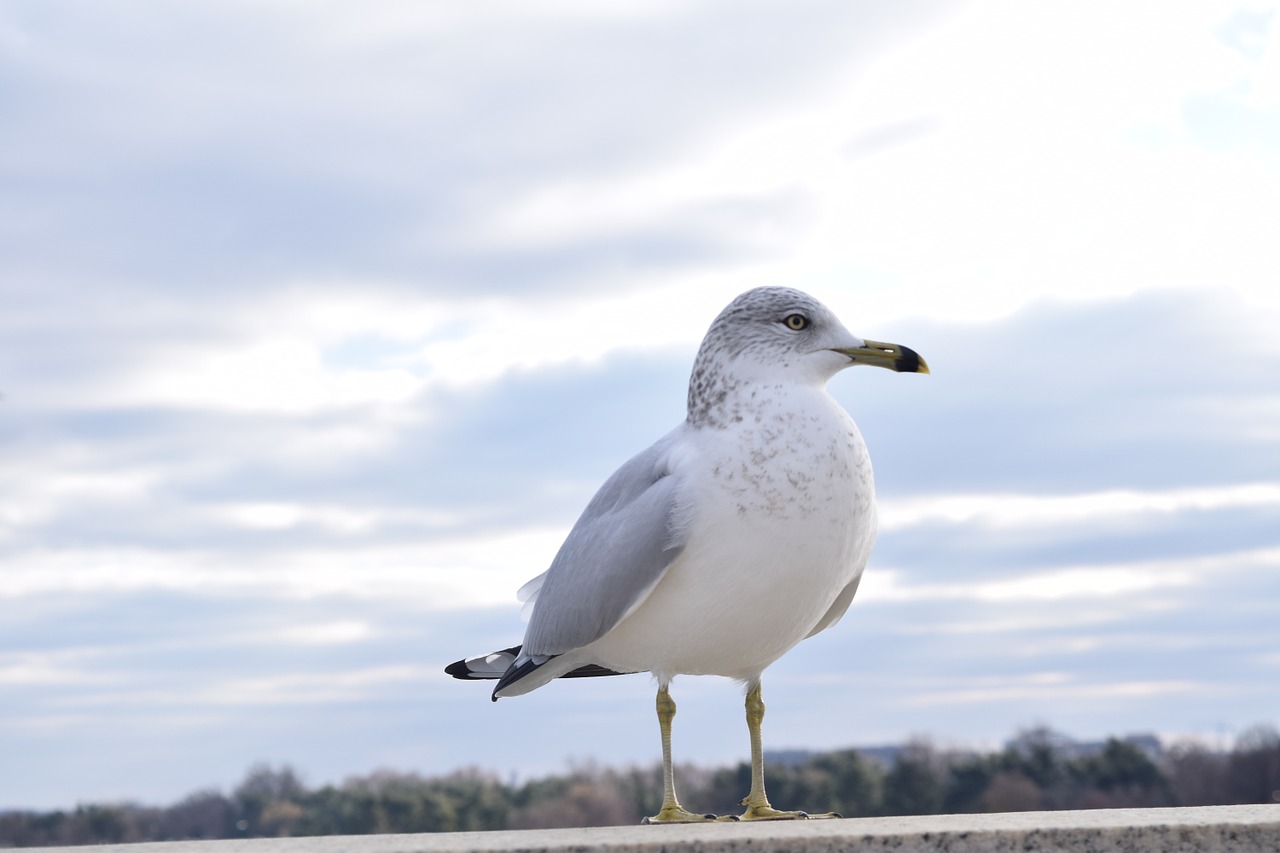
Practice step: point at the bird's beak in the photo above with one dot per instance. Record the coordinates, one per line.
(896, 358)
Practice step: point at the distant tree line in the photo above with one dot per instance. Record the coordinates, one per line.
(1034, 771)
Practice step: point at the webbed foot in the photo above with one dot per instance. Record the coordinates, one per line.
(765, 811)
(770, 813)
(679, 814)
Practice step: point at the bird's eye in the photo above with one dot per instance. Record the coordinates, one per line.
(795, 322)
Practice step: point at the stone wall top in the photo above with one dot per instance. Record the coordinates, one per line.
(1209, 828)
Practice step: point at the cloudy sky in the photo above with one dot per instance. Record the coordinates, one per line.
(320, 322)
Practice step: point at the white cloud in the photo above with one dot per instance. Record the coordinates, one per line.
(507, 334)
(52, 668)
(1049, 688)
(1108, 508)
(326, 633)
(34, 494)
(1081, 583)
(271, 375)
(276, 689)
(480, 571)
(1025, 621)
(338, 519)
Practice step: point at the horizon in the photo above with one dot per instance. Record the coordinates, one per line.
(1064, 747)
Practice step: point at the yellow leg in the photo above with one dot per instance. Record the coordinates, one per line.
(757, 802)
(672, 811)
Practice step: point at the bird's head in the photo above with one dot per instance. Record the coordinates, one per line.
(782, 333)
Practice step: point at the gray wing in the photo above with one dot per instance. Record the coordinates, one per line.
(614, 556)
(837, 608)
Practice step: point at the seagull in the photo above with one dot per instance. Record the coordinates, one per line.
(728, 541)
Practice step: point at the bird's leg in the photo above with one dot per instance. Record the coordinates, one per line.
(671, 811)
(757, 802)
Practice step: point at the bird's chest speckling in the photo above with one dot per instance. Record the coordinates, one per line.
(791, 456)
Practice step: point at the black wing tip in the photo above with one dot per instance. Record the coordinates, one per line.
(458, 669)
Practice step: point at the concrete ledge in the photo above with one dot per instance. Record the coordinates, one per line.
(1208, 828)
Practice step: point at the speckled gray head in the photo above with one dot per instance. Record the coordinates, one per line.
(780, 335)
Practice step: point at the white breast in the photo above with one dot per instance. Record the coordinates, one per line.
(783, 506)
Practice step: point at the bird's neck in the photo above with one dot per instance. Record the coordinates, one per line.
(720, 397)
